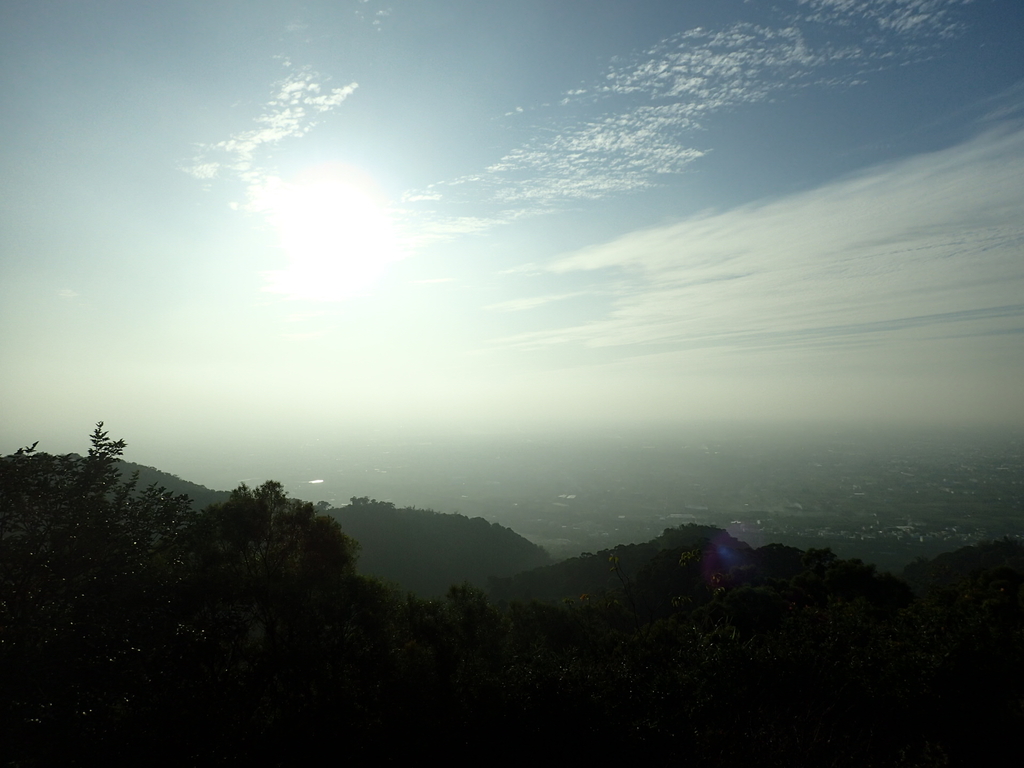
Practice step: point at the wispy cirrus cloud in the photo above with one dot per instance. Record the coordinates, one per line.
(643, 119)
(291, 112)
(934, 17)
(930, 246)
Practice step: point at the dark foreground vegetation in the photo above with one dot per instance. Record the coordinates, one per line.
(134, 629)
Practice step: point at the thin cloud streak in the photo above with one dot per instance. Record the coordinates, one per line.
(933, 241)
(520, 305)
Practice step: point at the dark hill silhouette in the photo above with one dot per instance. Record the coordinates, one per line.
(420, 550)
(949, 567)
(426, 551)
(681, 570)
(592, 574)
(200, 495)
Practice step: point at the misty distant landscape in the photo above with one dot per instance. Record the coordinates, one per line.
(886, 496)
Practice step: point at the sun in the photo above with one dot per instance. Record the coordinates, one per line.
(334, 230)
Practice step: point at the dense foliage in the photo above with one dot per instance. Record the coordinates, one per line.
(133, 629)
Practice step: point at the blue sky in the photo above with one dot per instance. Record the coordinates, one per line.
(273, 219)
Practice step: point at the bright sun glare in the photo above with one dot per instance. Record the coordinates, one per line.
(337, 237)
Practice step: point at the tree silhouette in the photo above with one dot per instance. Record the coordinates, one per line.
(87, 567)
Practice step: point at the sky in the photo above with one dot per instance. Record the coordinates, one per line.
(228, 223)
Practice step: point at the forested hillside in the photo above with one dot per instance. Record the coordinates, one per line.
(132, 625)
(950, 567)
(415, 549)
(426, 552)
(200, 495)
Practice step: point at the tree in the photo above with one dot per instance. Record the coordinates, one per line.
(72, 534)
(87, 566)
(269, 560)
